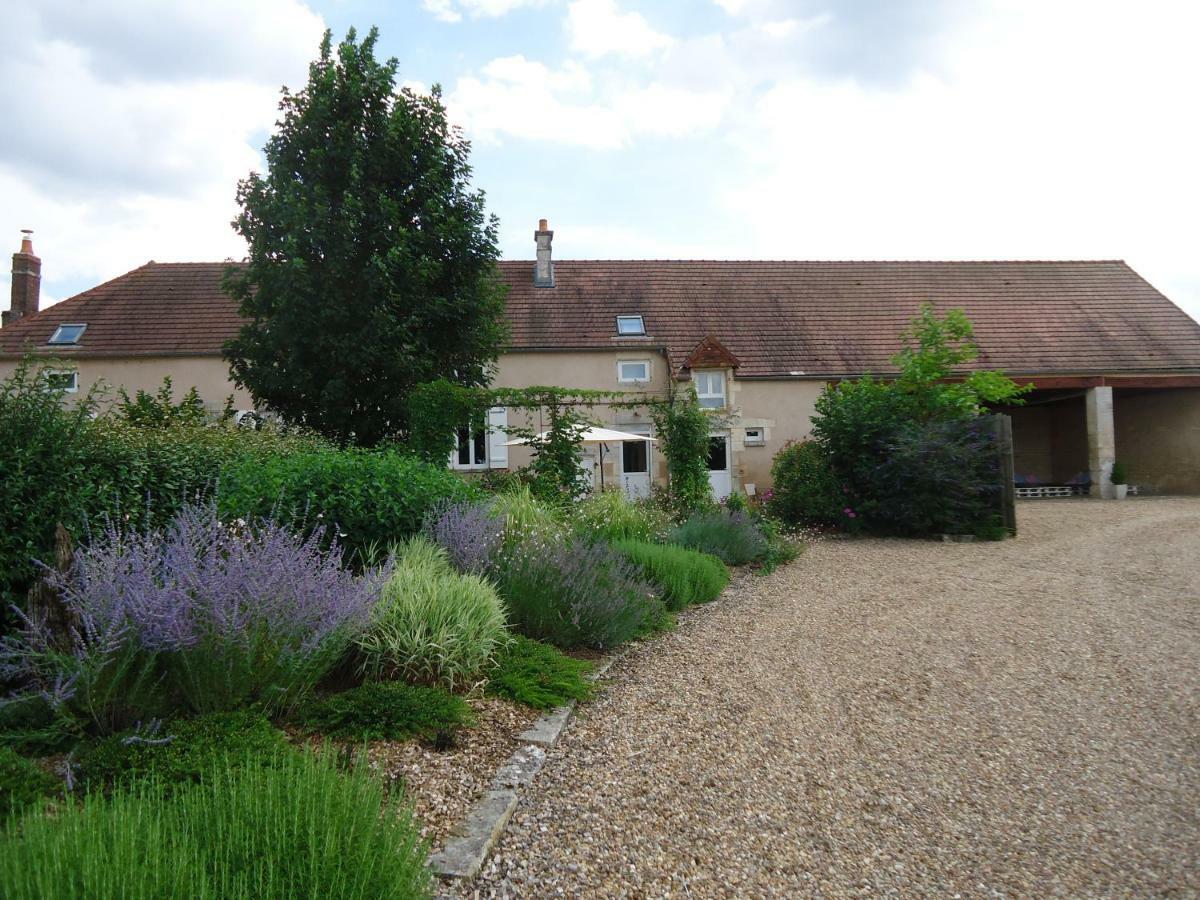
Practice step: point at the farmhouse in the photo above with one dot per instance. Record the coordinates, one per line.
(1115, 365)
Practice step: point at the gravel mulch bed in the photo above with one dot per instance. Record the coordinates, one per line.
(442, 784)
(899, 718)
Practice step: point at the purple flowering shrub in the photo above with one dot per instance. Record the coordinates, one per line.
(470, 533)
(569, 591)
(200, 615)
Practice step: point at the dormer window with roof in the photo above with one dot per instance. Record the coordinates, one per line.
(67, 334)
(631, 325)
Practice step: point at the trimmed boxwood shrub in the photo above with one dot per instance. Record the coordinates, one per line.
(394, 710)
(300, 827)
(182, 750)
(372, 497)
(682, 576)
(22, 783)
(538, 675)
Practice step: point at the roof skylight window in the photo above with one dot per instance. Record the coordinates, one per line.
(630, 325)
(67, 334)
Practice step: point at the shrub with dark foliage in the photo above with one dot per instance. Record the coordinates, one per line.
(181, 750)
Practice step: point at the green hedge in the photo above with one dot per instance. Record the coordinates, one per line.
(59, 464)
(682, 576)
(373, 497)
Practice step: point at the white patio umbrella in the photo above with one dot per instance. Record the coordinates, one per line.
(601, 436)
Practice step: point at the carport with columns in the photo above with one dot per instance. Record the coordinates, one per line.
(1071, 430)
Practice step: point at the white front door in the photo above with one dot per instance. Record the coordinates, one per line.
(635, 463)
(720, 476)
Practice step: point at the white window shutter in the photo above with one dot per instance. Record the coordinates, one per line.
(497, 436)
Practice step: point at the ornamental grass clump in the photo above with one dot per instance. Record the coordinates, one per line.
(468, 532)
(522, 513)
(432, 625)
(201, 616)
(682, 576)
(611, 516)
(299, 827)
(569, 591)
(731, 536)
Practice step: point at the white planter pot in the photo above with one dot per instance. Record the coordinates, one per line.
(1119, 491)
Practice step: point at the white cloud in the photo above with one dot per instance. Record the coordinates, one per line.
(453, 10)
(125, 152)
(1022, 150)
(517, 97)
(598, 28)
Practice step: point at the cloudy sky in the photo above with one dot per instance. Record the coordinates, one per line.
(803, 129)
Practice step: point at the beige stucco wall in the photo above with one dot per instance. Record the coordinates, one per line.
(1158, 438)
(587, 370)
(208, 374)
(783, 408)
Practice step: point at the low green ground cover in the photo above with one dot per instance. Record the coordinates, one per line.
(388, 710)
(536, 674)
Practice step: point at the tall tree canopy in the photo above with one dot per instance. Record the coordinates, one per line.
(372, 263)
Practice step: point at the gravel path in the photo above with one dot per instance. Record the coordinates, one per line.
(899, 717)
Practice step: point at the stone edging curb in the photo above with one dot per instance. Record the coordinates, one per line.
(473, 840)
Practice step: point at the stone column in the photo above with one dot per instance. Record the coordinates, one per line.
(1102, 444)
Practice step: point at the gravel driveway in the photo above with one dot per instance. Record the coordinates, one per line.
(899, 717)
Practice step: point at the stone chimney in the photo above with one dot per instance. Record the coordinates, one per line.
(543, 269)
(26, 281)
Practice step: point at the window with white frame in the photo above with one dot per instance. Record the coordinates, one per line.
(65, 380)
(755, 437)
(633, 371)
(631, 325)
(470, 448)
(710, 389)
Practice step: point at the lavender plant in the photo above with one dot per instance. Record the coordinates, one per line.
(202, 615)
(570, 592)
(470, 533)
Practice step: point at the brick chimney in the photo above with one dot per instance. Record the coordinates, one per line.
(26, 281)
(543, 269)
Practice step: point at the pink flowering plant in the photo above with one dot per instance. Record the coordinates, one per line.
(201, 615)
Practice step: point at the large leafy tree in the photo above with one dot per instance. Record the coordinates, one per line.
(372, 264)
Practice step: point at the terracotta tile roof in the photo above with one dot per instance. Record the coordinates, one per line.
(844, 318)
(711, 354)
(157, 309)
(776, 318)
